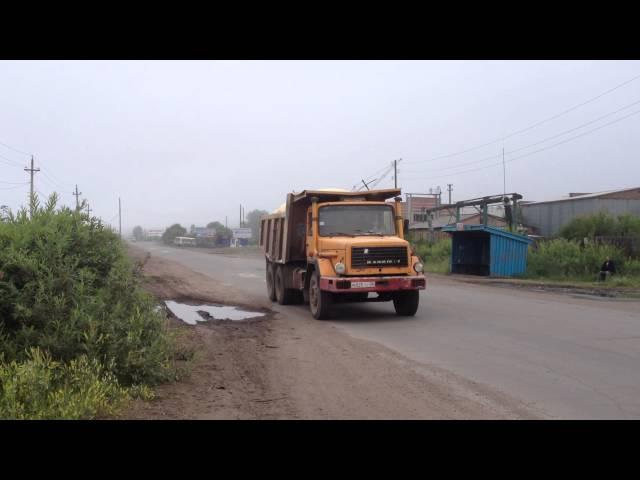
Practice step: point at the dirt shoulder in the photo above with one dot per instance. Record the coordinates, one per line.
(293, 367)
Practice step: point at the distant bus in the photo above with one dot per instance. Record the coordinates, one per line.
(185, 241)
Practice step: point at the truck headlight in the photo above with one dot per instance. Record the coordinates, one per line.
(418, 267)
(340, 268)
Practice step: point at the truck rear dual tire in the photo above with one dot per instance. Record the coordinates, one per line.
(284, 296)
(406, 302)
(319, 301)
(271, 290)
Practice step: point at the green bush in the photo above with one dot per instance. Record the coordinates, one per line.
(68, 289)
(436, 256)
(564, 259)
(601, 224)
(170, 234)
(41, 388)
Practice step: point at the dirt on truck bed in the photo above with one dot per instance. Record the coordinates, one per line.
(280, 367)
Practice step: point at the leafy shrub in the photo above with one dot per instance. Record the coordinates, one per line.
(41, 388)
(434, 255)
(601, 224)
(68, 289)
(561, 258)
(175, 230)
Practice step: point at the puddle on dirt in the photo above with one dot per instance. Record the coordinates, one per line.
(192, 314)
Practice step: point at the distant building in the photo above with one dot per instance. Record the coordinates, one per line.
(153, 234)
(241, 237)
(205, 237)
(415, 206)
(549, 216)
(203, 232)
(433, 230)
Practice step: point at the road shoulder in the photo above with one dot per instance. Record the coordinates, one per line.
(291, 366)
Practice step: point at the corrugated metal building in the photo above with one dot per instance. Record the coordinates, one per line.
(485, 250)
(548, 217)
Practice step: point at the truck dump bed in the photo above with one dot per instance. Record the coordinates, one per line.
(282, 234)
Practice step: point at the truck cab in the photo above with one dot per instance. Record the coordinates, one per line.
(327, 247)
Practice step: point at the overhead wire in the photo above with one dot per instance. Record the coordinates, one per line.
(539, 150)
(530, 127)
(15, 149)
(491, 157)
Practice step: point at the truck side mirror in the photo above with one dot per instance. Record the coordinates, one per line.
(405, 226)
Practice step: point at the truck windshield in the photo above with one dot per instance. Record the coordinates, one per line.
(350, 220)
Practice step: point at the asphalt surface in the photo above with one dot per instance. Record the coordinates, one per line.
(564, 357)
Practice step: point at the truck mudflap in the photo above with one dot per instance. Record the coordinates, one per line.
(372, 284)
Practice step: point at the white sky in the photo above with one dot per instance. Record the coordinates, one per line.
(187, 142)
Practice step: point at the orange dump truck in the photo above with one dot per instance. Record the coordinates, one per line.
(330, 246)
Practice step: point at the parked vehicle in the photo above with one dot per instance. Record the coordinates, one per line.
(328, 246)
(185, 241)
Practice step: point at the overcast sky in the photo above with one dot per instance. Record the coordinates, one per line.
(188, 142)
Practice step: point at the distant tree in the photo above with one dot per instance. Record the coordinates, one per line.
(221, 230)
(138, 233)
(253, 221)
(175, 230)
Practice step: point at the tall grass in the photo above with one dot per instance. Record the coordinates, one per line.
(562, 259)
(73, 318)
(434, 255)
(601, 224)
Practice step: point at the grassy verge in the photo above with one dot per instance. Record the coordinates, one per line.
(435, 256)
(562, 260)
(78, 336)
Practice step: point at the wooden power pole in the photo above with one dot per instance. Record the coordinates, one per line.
(77, 195)
(31, 172)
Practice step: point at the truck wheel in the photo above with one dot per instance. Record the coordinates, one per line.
(406, 303)
(319, 301)
(271, 291)
(284, 296)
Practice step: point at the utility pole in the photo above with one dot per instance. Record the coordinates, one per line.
(395, 174)
(77, 195)
(225, 222)
(31, 171)
(240, 215)
(449, 189)
(88, 210)
(504, 174)
(120, 218)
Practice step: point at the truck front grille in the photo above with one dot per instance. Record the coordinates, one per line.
(368, 257)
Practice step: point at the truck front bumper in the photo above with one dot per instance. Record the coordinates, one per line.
(372, 284)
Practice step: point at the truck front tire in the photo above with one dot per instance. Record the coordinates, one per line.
(319, 301)
(406, 302)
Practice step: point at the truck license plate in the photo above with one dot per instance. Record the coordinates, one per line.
(363, 284)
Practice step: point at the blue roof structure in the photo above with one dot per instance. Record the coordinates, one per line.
(487, 250)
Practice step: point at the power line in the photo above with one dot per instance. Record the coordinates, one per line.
(13, 183)
(11, 162)
(537, 124)
(539, 150)
(538, 142)
(53, 178)
(15, 187)
(15, 149)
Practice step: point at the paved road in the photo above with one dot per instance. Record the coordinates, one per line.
(564, 357)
